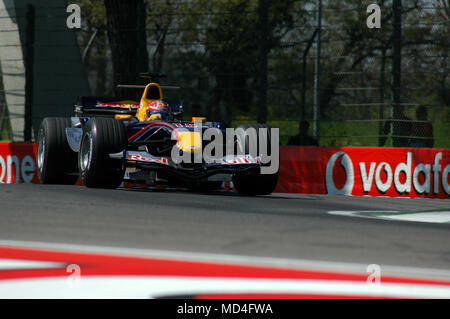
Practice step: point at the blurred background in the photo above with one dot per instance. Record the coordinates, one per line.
(312, 68)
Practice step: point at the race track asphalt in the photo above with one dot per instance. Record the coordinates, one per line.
(281, 225)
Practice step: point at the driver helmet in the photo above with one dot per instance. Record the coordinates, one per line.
(157, 110)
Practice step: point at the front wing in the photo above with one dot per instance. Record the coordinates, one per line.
(139, 163)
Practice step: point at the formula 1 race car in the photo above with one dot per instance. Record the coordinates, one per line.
(110, 141)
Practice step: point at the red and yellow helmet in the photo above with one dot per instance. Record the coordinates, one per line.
(157, 110)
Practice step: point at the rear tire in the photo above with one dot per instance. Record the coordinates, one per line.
(254, 183)
(57, 163)
(101, 137)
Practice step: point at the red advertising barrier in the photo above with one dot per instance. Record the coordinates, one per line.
(18, 163)
(397, 172)
(312, 170)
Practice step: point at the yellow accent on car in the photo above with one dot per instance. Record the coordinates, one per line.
(197, 118)
(190, 141)
(155, 117)
(141, 113)
(129, 104)
(123, 117)
(152, 92)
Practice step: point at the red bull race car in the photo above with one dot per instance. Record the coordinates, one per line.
(110, 141)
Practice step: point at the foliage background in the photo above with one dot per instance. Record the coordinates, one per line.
(210, 48)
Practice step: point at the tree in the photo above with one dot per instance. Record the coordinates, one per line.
(96, 51)
(229, 34)
(127, 38)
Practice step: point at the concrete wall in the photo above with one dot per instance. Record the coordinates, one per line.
(12, 67)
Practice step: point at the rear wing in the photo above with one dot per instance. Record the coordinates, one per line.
(109, 106)
(134, 86)
(104, 106)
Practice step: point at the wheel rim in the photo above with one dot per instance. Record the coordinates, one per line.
(85, 152)
(41, 150)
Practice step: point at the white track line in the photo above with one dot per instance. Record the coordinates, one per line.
(423, 217)
(14, 264)
(431, 217)
(160, 286)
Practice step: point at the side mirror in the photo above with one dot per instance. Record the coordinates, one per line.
(175, 107)
(179, 112)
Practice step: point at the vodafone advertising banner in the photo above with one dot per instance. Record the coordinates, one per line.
(399, 172)
(312, 170)
(18, 163)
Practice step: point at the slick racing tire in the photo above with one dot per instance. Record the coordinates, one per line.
(101, 137)
(57, 163)
(253, 182)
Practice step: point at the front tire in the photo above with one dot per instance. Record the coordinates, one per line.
(101, 137)
(254, 183)
(57, 163)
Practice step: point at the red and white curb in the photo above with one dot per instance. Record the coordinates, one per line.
(33, 272)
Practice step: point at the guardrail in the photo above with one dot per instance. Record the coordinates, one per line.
(359, 171)
(356, 171)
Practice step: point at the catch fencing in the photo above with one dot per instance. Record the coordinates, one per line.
(343, 84)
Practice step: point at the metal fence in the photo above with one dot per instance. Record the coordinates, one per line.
(343, 84)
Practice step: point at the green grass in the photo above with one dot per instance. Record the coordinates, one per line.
(341, 134)
(6, 133)
(442, 135)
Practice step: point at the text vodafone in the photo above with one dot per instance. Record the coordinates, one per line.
(434, 176)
